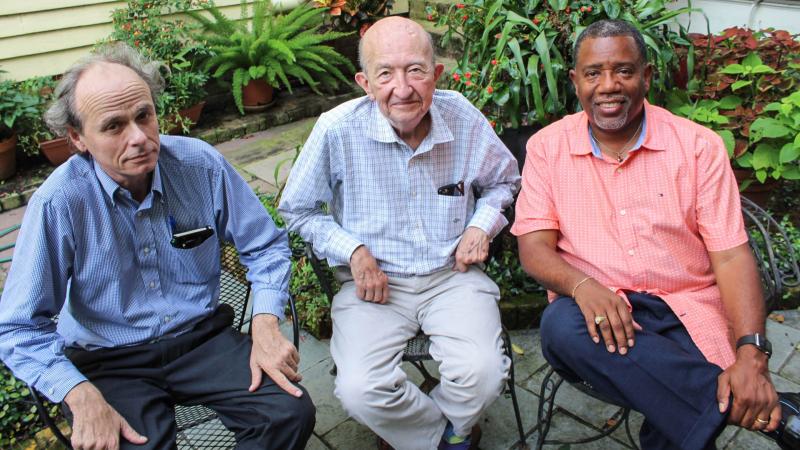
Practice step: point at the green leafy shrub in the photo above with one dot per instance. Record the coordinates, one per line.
(517, 53)
(273, 47)
(18, 417)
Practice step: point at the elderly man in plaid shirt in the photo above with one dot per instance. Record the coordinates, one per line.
(415, 182)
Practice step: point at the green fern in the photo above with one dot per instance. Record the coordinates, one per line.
(274, 47)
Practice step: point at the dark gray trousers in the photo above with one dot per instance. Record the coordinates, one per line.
(208, 365)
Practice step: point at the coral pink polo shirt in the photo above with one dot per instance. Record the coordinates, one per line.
(646, 224)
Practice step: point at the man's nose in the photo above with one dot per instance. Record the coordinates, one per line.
(608, 81)
(136, 134)
(402, 88)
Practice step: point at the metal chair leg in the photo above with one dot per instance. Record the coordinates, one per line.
(544, 414)
(512, 389)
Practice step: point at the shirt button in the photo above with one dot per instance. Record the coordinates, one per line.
(153, 283)
(51, 391)
(139, 214)
(619, 171)
(413, 193)
(631, 252)
(147, 250)
(167, 319)
(622, 212)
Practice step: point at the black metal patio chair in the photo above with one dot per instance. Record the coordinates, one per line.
(417, 349)
(778, 268)
(196, 425)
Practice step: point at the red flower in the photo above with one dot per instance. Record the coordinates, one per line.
(494, 62)
(567, 10)
(459, 5)
(456, 76)
(468, 83)
(464, 17)
(489, 89)
(588, 9)
(468, 74)
(536, 21)
(430, 17)
(493, 123)
(136, 43)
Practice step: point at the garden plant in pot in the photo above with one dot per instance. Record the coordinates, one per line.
(15, 106)
(148, 26)
(34, 136)
(271, 48)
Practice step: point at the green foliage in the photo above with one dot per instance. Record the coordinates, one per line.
(505, 269)
(18, 418)
(142, 24)
(16, 106)
(518, 53)
(776, 137)
(273, 47)
(313, 307)
(354, 14)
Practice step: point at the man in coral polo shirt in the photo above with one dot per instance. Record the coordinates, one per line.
(630, 216)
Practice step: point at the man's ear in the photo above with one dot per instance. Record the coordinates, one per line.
(77, 141)
(437, 71)
(648, 75)
(363, 81)
(572, 75)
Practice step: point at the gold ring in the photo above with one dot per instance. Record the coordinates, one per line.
(762, 421)
(599, 319)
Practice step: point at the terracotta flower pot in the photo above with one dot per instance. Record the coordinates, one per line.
(8, 157)
(192, 113)
(56, 150)
(256, 95)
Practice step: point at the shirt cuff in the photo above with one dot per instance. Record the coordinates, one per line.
(488, 219)
(341, 246)
(56, 381)
(268, 301)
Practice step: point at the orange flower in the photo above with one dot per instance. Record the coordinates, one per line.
(489, 89)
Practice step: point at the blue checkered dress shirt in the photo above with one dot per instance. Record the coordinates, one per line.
(382, 194)
(89, 251)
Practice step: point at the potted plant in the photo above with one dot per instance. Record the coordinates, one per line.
(517, 53)
(271, 49)
(352, 15)
(15, 106)
(142, 24)
(34, 136)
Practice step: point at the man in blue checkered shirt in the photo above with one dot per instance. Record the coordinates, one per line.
(123, 242)
(415, 181)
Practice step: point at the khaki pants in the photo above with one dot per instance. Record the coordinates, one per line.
(459, 312)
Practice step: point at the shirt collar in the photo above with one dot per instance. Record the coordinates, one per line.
(649, 139)
(110, 186)
(382, 131)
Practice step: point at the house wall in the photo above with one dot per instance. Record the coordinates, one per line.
(44, 37)
(778, 14)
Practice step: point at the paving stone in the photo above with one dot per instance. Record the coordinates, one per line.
(350, 435)
(727, 436)
(784, 385)
(265, 169)
(634, 424)
(315, 443)
(566, 428)
(499, 425)
(589, 409)
(784, 339)
(312, 350)
(532, 360)
(791, 370)
(749, 440)
(319, 383)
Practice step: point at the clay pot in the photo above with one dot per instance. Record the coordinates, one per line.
(8, 157)
(56, 150)
(192, 113)
(256, 95)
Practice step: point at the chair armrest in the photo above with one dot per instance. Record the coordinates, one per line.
(775, 255)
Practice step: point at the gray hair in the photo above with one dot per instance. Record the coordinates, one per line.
(611, 28)
(63, 112)
(362, 59)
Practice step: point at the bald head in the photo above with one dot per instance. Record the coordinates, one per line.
(384, 33)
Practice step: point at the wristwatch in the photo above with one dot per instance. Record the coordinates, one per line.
(759, 340)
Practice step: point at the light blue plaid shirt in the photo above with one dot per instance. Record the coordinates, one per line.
(86, 245)
(382, 194)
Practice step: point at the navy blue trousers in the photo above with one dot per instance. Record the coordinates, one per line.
(664, 376)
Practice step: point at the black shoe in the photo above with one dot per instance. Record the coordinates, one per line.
(787, 435)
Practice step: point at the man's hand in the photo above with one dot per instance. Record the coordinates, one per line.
(617, 327)
(372, 285)
(473, 248)
(273, 354)
(755, 402)
(96, 425)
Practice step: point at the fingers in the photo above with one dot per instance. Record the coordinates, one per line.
(372, 286)
(774, 418)
(723, 391)
(284, 383)
(255, 376)
(129, 434)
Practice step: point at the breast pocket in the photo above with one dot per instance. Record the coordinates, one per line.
(447, 221)
(197, 265)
